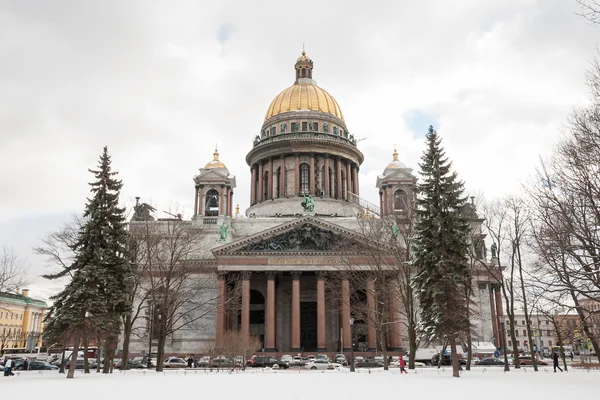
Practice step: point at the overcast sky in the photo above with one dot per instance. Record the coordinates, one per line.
(161, 82)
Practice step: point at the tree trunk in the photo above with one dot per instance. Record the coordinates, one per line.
(442, 354)
(455, 362)
(86, 367)
(98, 358)
(160, 351)
(109, 355)
(384, 350)
(74, 354)
(412, 344)
(126, 338)
(527, 321)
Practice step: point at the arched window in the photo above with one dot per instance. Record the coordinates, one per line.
(211, 208)
(304, 178)
(400, 200)
(310, 73)
(304, 72)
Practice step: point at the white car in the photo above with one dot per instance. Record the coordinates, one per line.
(320, 364)
(297, 361)
(175, 362)
(287, 358)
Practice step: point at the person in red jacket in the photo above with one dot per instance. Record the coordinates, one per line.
(402, 365)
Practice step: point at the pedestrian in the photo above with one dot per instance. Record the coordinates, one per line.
(571, 355)
(190, 362)
(195, 362)
(25, 365)
(555, 359)
(402, 364)
(8, 367)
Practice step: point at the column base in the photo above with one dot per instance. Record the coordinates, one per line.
(296, 349)
(347, 349)
(321, 349)
(270, 350)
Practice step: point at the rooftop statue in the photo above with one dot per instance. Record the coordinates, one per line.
(307, 203)
(223, 231)
(494, 249)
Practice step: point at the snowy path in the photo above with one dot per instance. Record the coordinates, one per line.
(490, 384)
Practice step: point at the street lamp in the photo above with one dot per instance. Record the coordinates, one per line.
(151, 317)
(503, 340)
(351, 344)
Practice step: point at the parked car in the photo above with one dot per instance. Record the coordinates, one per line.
(222, 362)
(261, 362)
(38, 365)
(369, 363)
(298, 361)
(287, 358)
(446, 360)
(323, 357)
(319, 364)
(175, 362)
(526, 360)
(340, 359)
(79, 364)
(131, 364)
(204, 362)
(490, 361)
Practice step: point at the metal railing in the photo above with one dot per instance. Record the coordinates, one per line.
(305, 135)
(373, 209)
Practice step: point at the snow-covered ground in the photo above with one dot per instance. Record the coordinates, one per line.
(430, 384)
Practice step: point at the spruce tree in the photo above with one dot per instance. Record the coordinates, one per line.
(98, 292)
(440, 248)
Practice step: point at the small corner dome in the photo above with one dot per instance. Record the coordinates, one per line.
(215, 162)
(394, 165)
(303, 57)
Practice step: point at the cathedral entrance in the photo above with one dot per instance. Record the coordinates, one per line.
(308, 326)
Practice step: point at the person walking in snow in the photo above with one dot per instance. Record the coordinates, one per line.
(190, 362)
(571, 355)
(402, 365)
(8, 367)
(555, 362)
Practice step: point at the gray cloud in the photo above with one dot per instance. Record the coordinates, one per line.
(162, 82)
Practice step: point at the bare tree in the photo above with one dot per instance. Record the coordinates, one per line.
(590, 10)
(381, 291)
(179, 286)
(234, 345)
(13, 271)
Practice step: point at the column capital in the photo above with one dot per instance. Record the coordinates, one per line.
(221, 275)
(246, 275)
(344, 275)
(296, 275)
(271, 275)
(321, 275)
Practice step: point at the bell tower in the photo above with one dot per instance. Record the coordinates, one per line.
(396, 187)
(214, 190)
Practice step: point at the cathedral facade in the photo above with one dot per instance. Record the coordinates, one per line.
(288, 252)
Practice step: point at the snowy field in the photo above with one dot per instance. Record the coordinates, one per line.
(488, 384)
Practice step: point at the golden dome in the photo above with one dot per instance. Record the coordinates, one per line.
(304, 97)
(215, 163)
(304, 94)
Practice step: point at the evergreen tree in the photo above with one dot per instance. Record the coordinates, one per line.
(101, 271)
(440, 248)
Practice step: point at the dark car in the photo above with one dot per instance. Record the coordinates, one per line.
(37, 365)
(491, 362)
(259, 362)
(369, 363)
(131, 364)
(79, 364)
(446, 360)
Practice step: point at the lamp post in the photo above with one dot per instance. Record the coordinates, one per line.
(351, 344)
(151, 316)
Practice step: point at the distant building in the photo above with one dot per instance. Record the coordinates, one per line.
(543, 333)
(20, 320)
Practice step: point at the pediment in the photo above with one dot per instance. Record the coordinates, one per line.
(306, 234)
(211, 174)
